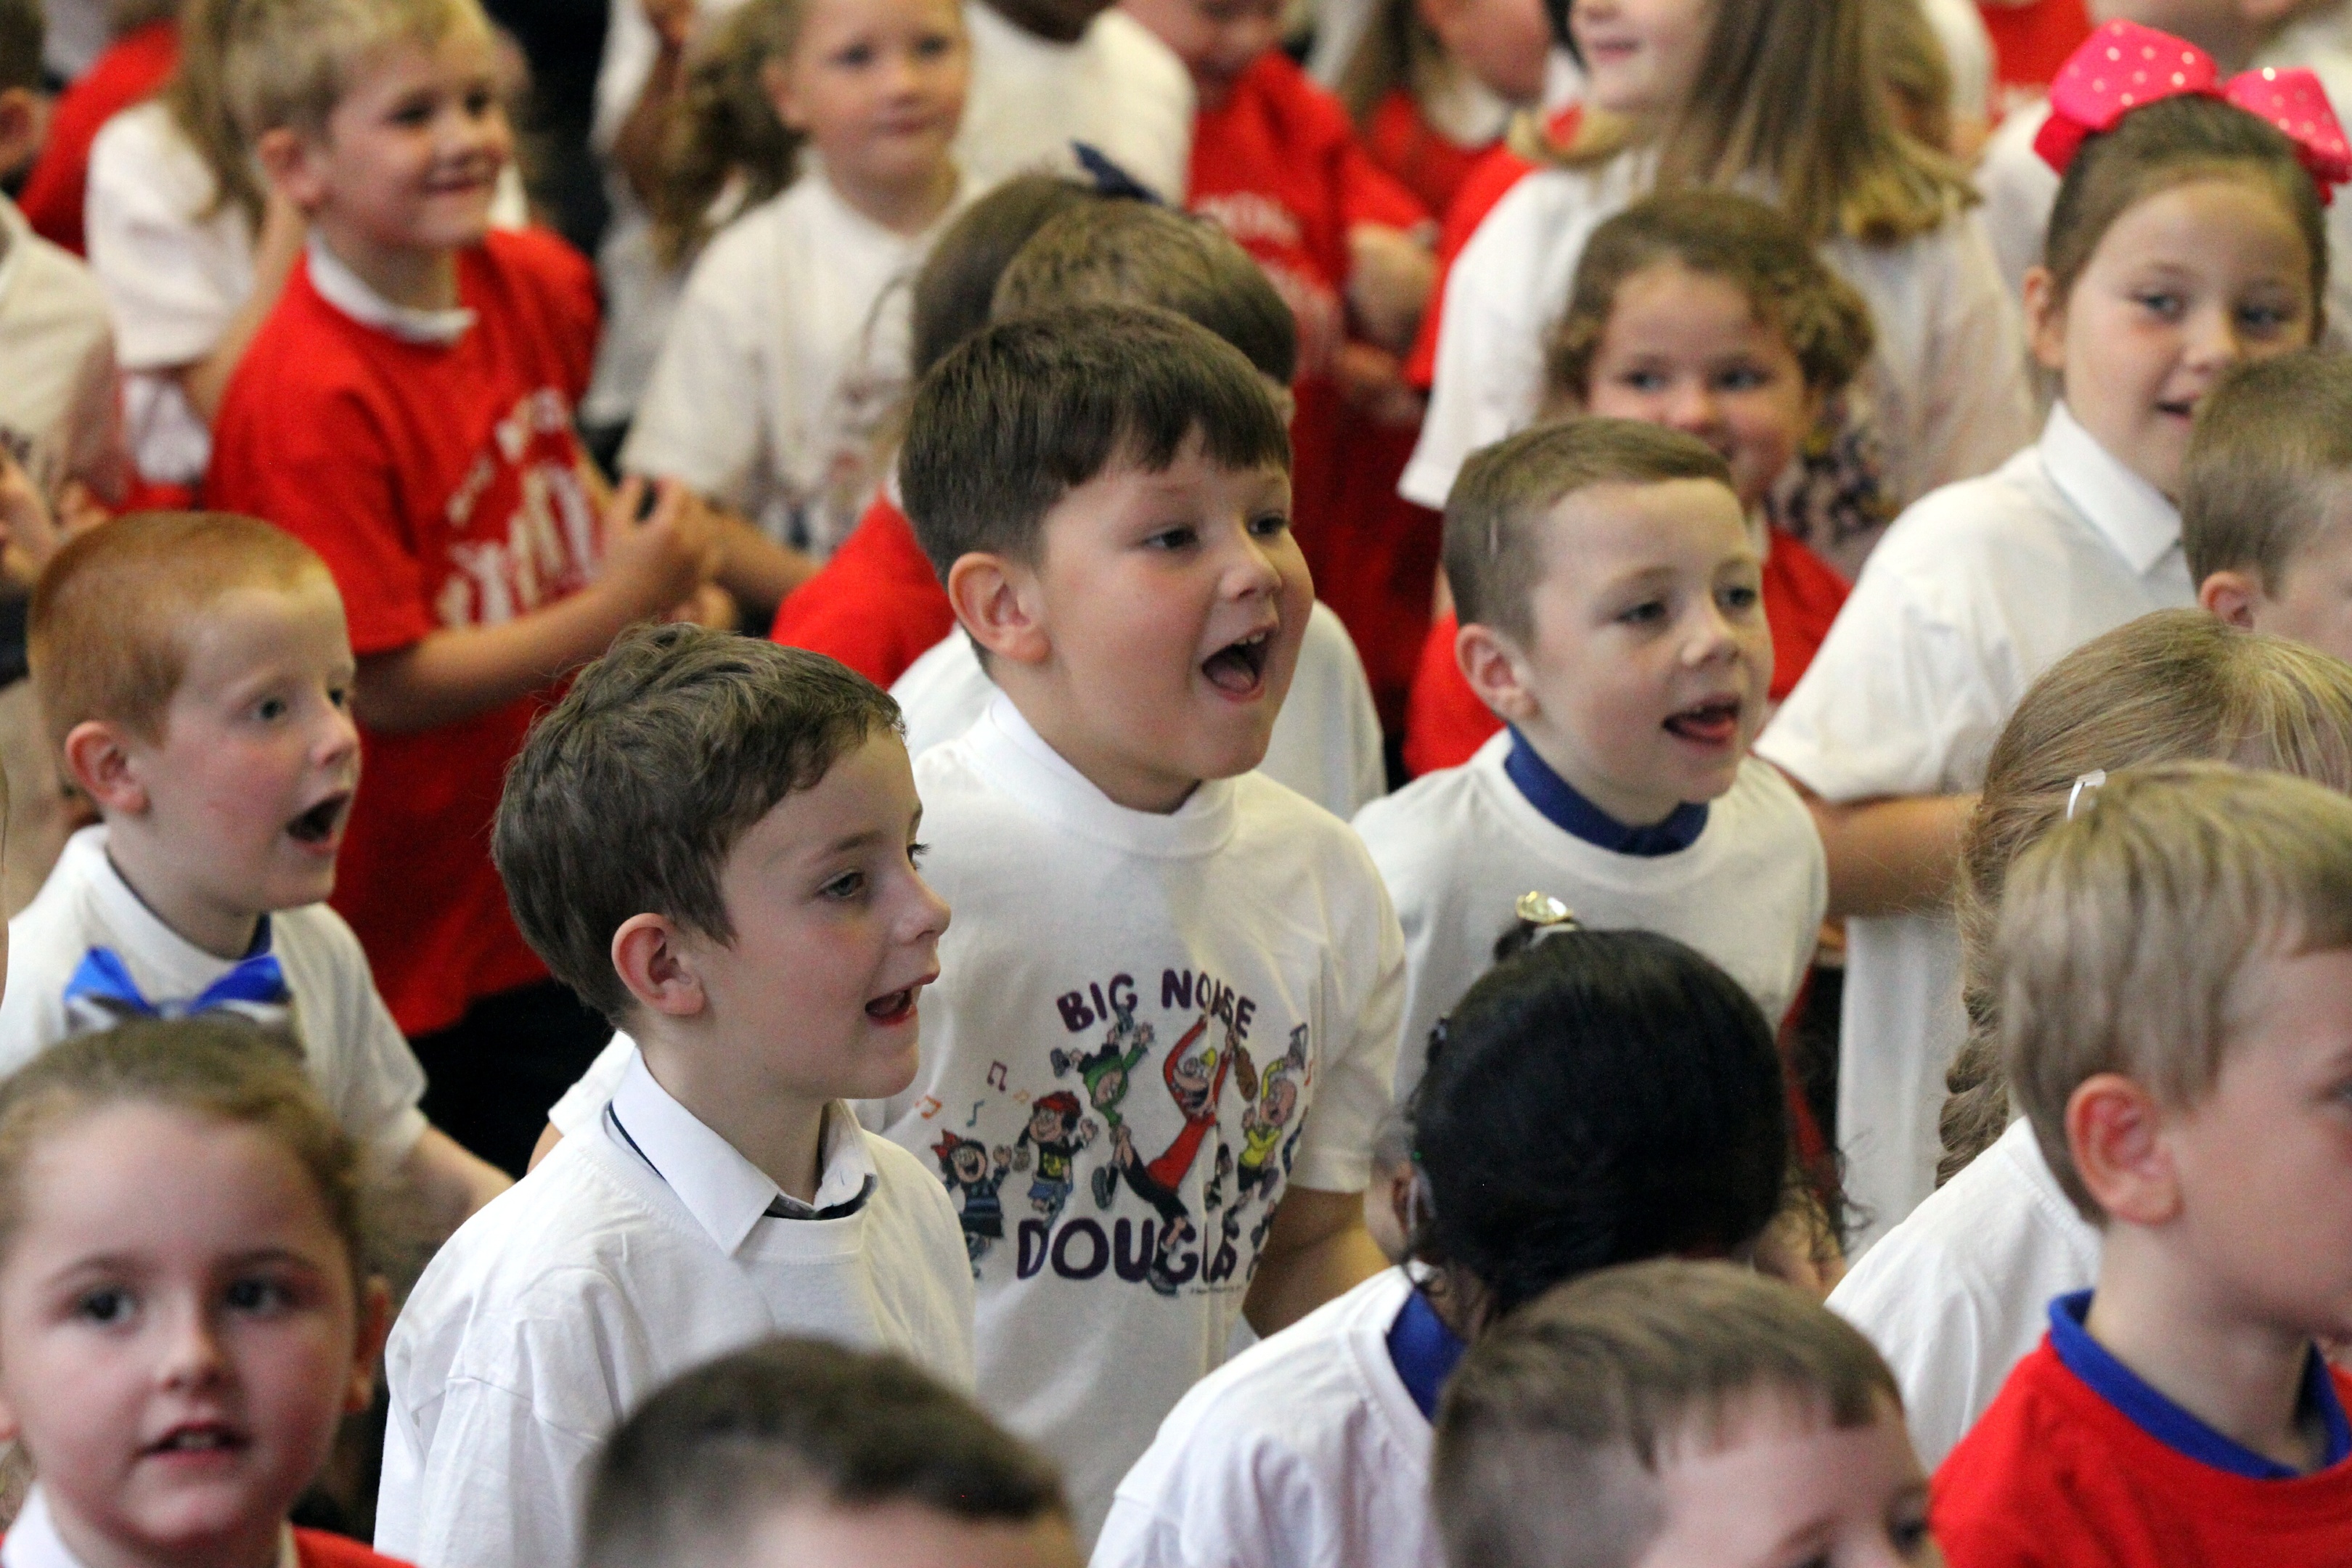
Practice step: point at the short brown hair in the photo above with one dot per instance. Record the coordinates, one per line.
(107, 634)
(1026, 411)
(956, 289)
(2128, 935)
(1495, 553)
(289, 62)
(22, 31)
(630, 794)
(2271, 452)
(1553, 1431)
(1133, 253)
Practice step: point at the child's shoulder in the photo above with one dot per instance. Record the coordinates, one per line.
(52, 288)
(1308, 112)
(1955, 535)
(141, 160)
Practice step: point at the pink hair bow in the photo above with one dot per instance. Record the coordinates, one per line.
(2124, 66)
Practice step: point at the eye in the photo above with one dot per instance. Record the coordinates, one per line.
(1642, 380)
(845, 886)
(339, 697)
(916, 851)
(479, 101)
(269, 709)
(857, 57)
(2266, 320)
(933, 46)
(2164, 306)
(1181, 537)
(1742, 378)
(107, 1306)
(257, 1294)
(1740, 597)
(1910, 1537)
(1649, 611)
(1270, 524)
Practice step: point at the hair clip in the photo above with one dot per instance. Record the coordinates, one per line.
(2086, 785)
(1543, 910)
(1110, 179)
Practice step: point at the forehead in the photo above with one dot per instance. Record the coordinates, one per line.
(1601, 528)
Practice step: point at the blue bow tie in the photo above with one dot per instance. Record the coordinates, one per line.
(102, 993)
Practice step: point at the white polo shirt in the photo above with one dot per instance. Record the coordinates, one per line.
(639, 1248)
(1973, 593)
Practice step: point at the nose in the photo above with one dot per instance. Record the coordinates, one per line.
(193, 1357)
(927, 913)
(2213, 337)
(337, 737)
(1691, 406)
(1713, 637)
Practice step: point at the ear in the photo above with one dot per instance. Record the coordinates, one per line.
(2113, 1131)
(997, 601)
(2045, 319)
(290, 161)
(1496, 671)
(24, 124)
(776, 82)
(98, 755)
(375, 1327)
(2231, 596)
(650, 955)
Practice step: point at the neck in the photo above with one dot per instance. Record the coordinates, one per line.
(905, 209)
(220, 931)
(412, 280)
(1136, 788)
(254, 1545)
(783, 1133)
(2183, 1339)
(1628, 808)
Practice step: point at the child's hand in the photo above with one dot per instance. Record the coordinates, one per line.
(1390, 275)
(710, 605)
(661, 560)
(1371, 381)
(28, 530)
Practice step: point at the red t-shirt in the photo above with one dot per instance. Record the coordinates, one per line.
(1278, 167)
(2053, 1475)
(876, 605)
(133, 68)
(441, 482)
(1418, 155)
(2031, 42)
(1446, 723)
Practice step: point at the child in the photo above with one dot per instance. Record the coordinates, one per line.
(1953, 1296)
(188, 1299)
(2263, 500)
(194, 675)
(138, 63)
(1985, 585)
(1676, 1415)
(1788, 96)
(1708, 313)
(1434, 84)
(1608, 586)
(789, 345)
(2174, 966)
(799, 1451)
(712, 838)
(1606, 1096)
(434, 364)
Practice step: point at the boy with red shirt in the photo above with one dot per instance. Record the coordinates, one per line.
(2175, 969)
(406, 411)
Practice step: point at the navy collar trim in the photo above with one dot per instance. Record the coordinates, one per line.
(1425, 1352)
(2167, 1423)
(1569, 812)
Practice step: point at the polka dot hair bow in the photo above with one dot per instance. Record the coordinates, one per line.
(2124, 66)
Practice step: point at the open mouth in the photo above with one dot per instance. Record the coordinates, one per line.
(1238, 668)
(319, 824)
(895, 1009)
(2178, 408)
(1714, 723)
(198, 1437)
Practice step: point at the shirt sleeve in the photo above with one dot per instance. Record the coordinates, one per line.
(1363, 1010)
(495, 1487)
(1489, 359)
(701, 420)
(165, 276)
(1902, 1297)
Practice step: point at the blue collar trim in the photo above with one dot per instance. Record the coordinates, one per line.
(1425, 1352)
(1569, 812)
(2171, 1426)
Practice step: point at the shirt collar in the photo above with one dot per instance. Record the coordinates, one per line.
(33, 1540)
(1024, 763)
(2132, 515)
(727, 1195)
(343, 289)
(2167, 1423)
(1423, 1351)
(1568, 811)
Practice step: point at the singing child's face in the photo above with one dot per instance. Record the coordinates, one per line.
(179, 1334)
(877, 87)
(909, 1535)
(1640, 56)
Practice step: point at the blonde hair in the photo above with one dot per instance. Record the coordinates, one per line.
(197, 103)
(1912, 59)
(108, 633)
(289, 62)
(2174, 686)
(727, 126)
(2268, 458)
(2128, 935)
(1803, 104)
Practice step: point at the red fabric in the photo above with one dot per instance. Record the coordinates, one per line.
(317, 1549)
(130, 70)
(1446, 723)
(1419, 156)
(1278, 167)
(876, 605)
(441, 484)
(2031, 42)
(2054, 1475)
(1489, 180)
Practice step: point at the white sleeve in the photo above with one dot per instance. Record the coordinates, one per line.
(1356, 1066)
(586, 1100)
(1211, 1493)
(1906, 1302)
(701, 420)
(2019, 189)
(495, 1487)
(1976, 409)
(157, 261)
(382, 1080)
(1968, 52)
(1489, 373)
(1151, 132)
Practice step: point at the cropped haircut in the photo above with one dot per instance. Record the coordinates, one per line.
(1553, 1431)
(289, 62)
(1604, 1096)
(2269, 455)
(1026, 411)
(23, 30)
(2171, 142)
(109, 628)
(2129, 936)
(689, 1478)
(2172, 686)
(1133, 252)
(1717, 234)
(1496, 541)
(956, 287)
(218, 1068)
(630, 794)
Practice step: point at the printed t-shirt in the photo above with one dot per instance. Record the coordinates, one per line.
(133, 67)
(876, 605)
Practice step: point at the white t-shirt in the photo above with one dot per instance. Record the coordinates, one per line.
(789, 348)
(1326, 744)
(1118, 88)
(1944, 396)
(1959, 27)
(1457, 847)
(1239, 952)
(58, 406)
(1960, 1292)
(356, 1052)
(639, 1248)
(1305, 1451)
(1974, 593)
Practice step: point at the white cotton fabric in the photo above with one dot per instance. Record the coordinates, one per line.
(1118, 88)
(1326, 744)
(1973, 593)
(606, 1272)
(33, 1540)
(1959, 27)
(1960, 1292)
(354, 1051)
(1457, 847)
(1305, 1451)
(57, 399)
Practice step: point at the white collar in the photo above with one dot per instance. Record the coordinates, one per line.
(33, 1541)
(347, 291)
(139, 934)
(2132, 515)
(1461, 108)
(1004, 743)
(727, 1195)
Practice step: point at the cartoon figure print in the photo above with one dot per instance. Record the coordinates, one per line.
(1106, 1073)
(1195, 1075)
(1274, 1112)
(1057, 1130)
(974, 1179)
